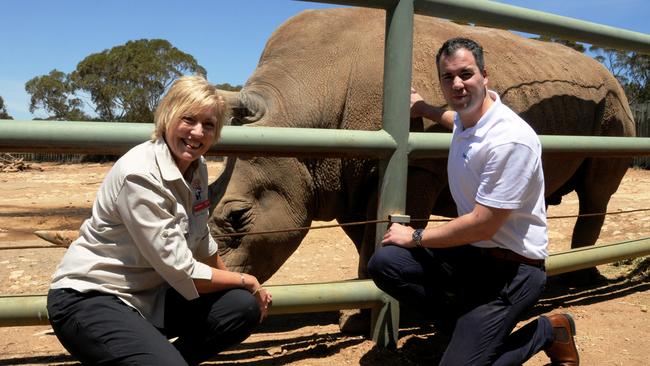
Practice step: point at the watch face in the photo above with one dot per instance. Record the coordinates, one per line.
(417, 237)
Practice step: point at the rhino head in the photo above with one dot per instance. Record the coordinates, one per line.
(304, 79)
(256, 195)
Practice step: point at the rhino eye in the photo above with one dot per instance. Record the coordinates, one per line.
(242, 216)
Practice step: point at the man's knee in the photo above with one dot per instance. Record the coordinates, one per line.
(378, 264)
(385, 265)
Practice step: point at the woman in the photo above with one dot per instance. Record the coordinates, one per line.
(145, 268)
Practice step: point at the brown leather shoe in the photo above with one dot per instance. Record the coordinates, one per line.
(562, 351)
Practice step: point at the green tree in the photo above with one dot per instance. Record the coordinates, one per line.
(228, 87)
(639, 83)
(3, 110)
(630, 68)
(126, 82)
(55, 94)
(571, 44)
(614, 60)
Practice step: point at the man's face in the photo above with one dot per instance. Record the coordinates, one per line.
(463, 84)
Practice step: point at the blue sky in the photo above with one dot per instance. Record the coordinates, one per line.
(225, 36)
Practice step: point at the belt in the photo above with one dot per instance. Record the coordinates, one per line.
(509, 255)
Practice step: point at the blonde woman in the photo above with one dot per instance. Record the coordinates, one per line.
(145, 268)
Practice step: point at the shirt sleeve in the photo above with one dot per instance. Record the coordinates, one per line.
(504, 183)
(208, 246)
(149, 214)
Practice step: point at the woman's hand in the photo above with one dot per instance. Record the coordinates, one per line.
(264, 300)
(263, 297)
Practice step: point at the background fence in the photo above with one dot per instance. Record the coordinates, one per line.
(641, 114)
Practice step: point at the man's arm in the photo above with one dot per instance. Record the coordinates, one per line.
(420, 108)
(480, 224)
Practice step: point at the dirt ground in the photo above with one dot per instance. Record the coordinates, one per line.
(612, 316)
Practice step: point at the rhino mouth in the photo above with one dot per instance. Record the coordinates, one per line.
(236, 217)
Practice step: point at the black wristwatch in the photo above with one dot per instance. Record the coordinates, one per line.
(417, 237)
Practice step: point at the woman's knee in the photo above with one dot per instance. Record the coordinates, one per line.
(241, 308)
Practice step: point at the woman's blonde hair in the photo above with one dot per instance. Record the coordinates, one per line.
(187, 95)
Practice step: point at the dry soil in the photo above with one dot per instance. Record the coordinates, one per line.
(612, 316)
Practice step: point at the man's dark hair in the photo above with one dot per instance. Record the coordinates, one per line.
(454, 44)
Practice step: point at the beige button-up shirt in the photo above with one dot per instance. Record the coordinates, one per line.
(147, 232)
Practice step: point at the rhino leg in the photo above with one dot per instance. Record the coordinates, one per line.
(599, 180)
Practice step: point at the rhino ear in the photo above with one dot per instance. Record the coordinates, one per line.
(236, 110)
(244, 107)
(238, 116)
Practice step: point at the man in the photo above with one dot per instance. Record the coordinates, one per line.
(485, 268)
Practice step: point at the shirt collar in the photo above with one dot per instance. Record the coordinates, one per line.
(168, 168)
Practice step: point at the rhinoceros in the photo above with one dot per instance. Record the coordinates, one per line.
(324, 69)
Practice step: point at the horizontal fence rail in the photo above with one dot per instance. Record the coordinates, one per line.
(22, 310)
(504, 16)
(118, 138)
(331, 296)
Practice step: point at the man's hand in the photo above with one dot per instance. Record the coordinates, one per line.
(398, 234)
(420, 108)
(416, 104)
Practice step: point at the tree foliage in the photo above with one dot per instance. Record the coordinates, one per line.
(124, 83)
(127, 82)
(630, 68)
(639, 84)
(228, 87)
(3, 110)
(571, 44)
(56, 95)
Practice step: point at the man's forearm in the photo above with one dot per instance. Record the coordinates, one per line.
(443, 116)
(480, 224)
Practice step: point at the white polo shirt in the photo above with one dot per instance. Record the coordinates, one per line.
(497, 163)
(147, 232)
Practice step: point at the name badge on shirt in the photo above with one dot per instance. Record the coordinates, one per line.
(201, 206)
(467, 154)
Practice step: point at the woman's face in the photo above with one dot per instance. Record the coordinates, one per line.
(191, 136)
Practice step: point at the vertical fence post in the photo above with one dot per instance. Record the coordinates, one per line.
(398, 55)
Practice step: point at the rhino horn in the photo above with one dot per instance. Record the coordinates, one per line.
(58, 237)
